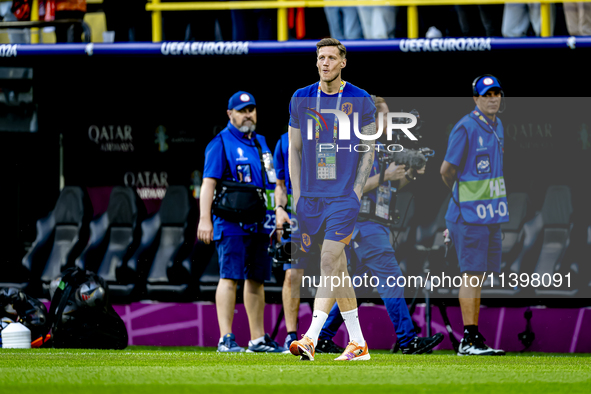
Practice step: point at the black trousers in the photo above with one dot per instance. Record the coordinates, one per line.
(481, 20)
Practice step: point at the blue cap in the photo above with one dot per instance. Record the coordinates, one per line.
(240, 100)
(486, 83)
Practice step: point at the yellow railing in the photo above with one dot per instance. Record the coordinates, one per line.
(156, 7)
(35, 17)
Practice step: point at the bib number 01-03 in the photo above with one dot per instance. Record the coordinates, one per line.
(483, 210)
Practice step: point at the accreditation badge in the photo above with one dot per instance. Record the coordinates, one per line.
(243, 172)
(326, 162)
(383, 202)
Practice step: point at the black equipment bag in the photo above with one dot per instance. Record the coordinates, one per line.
(81, 315)
(241, 202)
(24, 309)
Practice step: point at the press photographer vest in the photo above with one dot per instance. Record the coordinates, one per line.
(377, 204)
(244, 165)
(480, 187)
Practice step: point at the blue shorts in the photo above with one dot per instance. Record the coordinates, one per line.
(244, 257)
(301, 263)
(479, 247)
(331, 218)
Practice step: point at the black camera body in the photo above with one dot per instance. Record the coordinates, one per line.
(285, 250)
(414, 155)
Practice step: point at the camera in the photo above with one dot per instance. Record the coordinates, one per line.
(414, 155)
(285, 250)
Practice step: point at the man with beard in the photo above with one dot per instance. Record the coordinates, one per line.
(328, 177)
(235, 155)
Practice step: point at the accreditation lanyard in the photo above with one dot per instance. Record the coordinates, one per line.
(482, 118)
(317, 128)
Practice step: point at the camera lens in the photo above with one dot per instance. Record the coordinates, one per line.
(290, 249)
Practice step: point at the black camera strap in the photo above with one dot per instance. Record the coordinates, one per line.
(260, 151)
(258, 146)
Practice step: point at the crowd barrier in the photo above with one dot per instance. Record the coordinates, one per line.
(195, 324)
(282, 34)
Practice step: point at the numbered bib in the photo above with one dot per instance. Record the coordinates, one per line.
(326, 162)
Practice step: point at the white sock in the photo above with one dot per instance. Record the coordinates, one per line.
(257, 341)
(352, 322)
(318, 320)
(221, 340)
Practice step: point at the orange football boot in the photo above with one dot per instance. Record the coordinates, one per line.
(354, 352)
(304, 348)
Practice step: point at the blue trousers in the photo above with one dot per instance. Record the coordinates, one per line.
(373, 254)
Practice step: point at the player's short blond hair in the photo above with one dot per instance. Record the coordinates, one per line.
(332, 42)
(379, 100)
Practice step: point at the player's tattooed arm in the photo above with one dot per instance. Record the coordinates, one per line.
(365, 160)
(295, 163)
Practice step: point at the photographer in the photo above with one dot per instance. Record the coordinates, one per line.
(238, 153)
(373, 253)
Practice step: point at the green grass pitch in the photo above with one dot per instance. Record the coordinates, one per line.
(146, 370)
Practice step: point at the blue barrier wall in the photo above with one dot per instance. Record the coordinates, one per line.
(293, 47)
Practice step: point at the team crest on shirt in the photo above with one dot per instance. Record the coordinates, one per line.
(347, 108)
(306, 239)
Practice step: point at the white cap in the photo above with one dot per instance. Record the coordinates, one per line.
(16, 336)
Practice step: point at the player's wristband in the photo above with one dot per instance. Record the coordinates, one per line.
(280, 206)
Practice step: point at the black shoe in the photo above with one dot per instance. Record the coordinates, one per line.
(395, 347)
(474, 346)
(420, 345)
(328, 346)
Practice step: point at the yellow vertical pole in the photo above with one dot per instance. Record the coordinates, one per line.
(282, 31)
(412, 15)
(35, 17)
(156, 23)
(545, 19)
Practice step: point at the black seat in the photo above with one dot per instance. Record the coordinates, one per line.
(136, 268)
(22, 275)
(555, 239)
(513, 242)
(114, 237)
(400, 230)
(430, 248)
(208, 281)
(61, 237)
(585, 266)
(170, 275)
